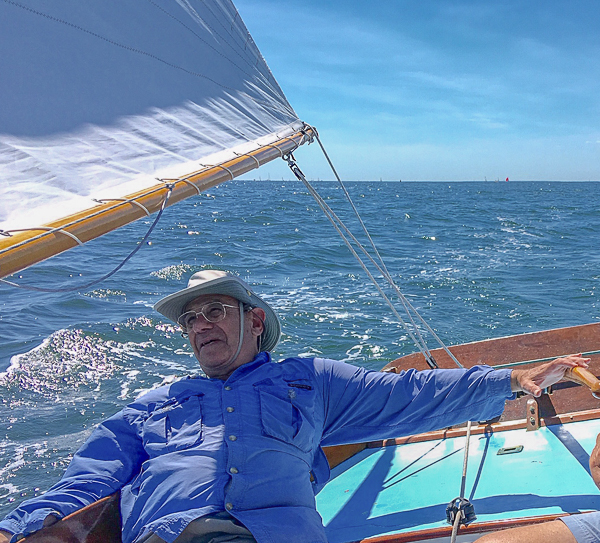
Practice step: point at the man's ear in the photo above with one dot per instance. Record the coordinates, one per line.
(258, 321)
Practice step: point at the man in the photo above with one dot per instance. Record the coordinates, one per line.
(584, 528)
(236, 455)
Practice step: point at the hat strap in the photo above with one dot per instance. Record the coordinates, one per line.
(241, 334)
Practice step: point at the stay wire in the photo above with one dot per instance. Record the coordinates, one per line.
(109, 274)
(407, 306)
(330, 214)
(383, 269)
(410, 310)
(463, 484)
(420, 343)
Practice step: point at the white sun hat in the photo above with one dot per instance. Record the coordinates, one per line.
(221, 282)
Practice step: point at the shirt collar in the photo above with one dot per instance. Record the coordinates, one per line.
(259, 360)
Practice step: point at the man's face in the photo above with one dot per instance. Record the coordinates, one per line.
(215, 343)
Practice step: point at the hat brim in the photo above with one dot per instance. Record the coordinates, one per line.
(172, 306)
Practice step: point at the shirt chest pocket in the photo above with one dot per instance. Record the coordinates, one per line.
(287, 414)
(174, 425)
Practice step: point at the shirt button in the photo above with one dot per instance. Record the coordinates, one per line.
(232, 438)
(230, 409)
(229, 506)
(233, 470)
(227, 387)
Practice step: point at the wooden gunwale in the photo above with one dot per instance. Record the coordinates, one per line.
(446, 531)
(484, 428)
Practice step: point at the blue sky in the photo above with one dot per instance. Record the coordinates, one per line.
(439, 90)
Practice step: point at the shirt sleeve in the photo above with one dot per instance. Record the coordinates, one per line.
(362, 405)
(110, 457)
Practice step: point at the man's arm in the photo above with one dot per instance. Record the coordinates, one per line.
(362, 405)
(5, 536)
(110, 457)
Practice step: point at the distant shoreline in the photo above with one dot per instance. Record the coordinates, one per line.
(422, 181)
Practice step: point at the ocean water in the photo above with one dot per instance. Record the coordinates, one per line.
(478, 260)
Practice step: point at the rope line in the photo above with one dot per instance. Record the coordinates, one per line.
(241, 155)
(332, 218)
(169, 188)
(208, 167)
(126, 200)
(383, 269)
(188, 182)
(275, 147)
(335, 220)
(409, 308)
(47, 229)
(185, 180)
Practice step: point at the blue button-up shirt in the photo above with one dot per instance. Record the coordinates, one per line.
(251, 445)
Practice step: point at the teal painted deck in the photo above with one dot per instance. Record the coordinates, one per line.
(406, 488)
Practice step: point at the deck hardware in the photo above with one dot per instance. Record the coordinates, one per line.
(533, 415)
(510, 450)
(463, 507)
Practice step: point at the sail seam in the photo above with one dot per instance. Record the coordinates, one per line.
(136, 50)
(245, 60)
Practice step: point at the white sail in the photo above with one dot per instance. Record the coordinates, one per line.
(100, 98)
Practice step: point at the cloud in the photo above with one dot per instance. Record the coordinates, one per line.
(437, 79)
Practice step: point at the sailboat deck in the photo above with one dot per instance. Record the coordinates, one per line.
(396, 489)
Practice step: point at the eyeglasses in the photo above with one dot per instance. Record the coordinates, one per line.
(212, 312)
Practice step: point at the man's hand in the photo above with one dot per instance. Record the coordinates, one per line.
(5, 537)
(533, 380)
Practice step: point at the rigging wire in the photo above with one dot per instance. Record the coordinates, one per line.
(461, 516)
(407, 305)
(332, 218)
(169, 188)
(410, 310)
